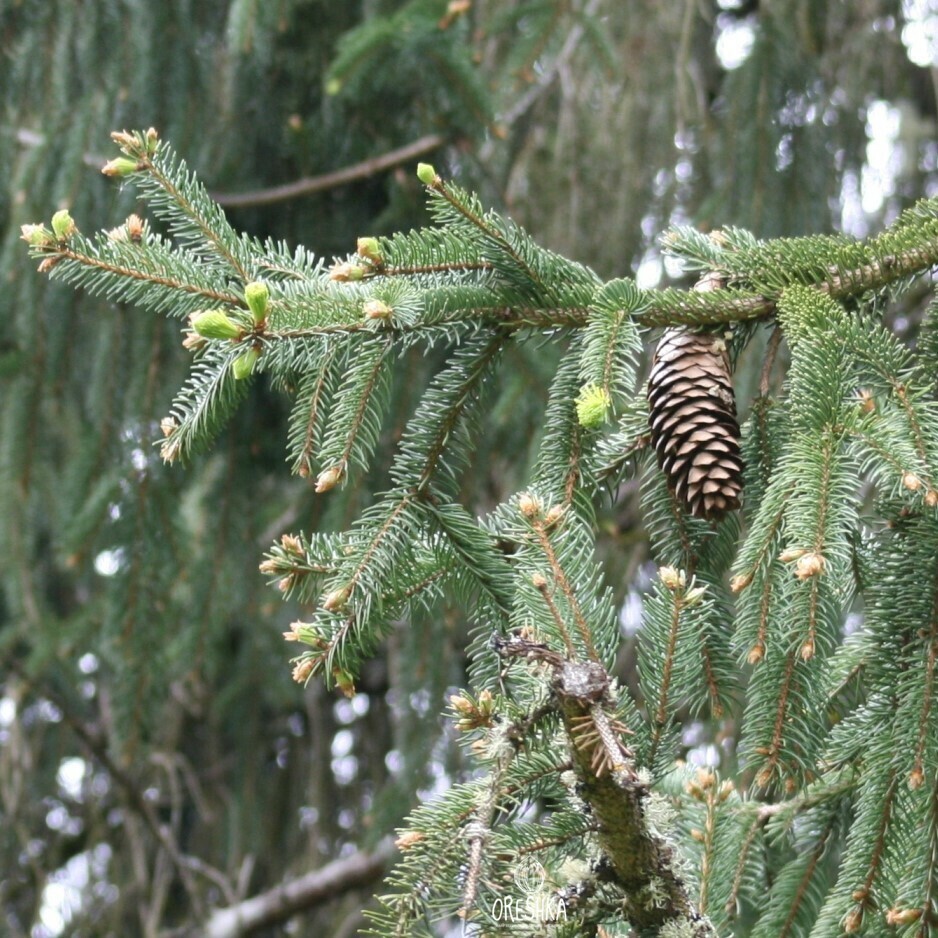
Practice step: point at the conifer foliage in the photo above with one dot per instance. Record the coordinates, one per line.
(830, 826)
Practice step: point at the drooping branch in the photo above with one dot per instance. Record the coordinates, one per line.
(286, 900)
(340, 177)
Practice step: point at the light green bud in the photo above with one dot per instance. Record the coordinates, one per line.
(35, 235)
(215, 324)
(122, 166)
(426, 174)
(243, 365)
(591, 405)
(257, 296)
(63, 225)
(370, 250)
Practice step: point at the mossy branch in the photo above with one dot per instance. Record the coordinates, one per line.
(643, 863)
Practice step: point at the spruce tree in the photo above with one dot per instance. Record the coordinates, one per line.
(799, 628)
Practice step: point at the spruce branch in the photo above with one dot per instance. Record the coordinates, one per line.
(925, 723)
(308, 416)
(122, 273)
(643, 863)
(179, 197)
(853, 431)
(542, 528)
(479, 829)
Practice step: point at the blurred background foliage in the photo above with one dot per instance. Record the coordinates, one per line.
(155, 758)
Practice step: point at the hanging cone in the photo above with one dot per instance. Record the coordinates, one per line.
(693, 422)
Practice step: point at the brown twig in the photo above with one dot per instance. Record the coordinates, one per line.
(771, 350)
(286, 900)
(340, 177)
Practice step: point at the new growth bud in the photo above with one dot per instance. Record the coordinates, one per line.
(408, 839)
(377, 309)
(257, 297)
(370, 250)
(909, 479)
(328, 479)
(302, 670)
(472, 714)
(695, 595)
(792, 553)
(36, 236)
(344, 681)
(215, 324)
(169, 450)
(134, 226)
(124, 139)
(897, 916)
(344, 272)
(122, 166)
(672, 578)
(529, 506)
(243, 366)
(291, 544)
(427, 174)
(63, 225)
(592, 404)
(554, 516)
(335, 601)
(811, 564)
